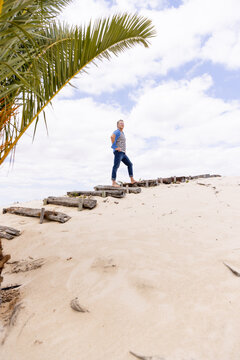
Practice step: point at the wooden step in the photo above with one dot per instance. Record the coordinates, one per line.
(103, 193)
(133, 190)
(71, 202)
(48, 214)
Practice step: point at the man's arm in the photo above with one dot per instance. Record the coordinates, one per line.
(113, 138)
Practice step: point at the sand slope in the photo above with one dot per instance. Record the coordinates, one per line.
(149, 269)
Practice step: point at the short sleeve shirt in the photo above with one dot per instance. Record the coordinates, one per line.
(120, 140)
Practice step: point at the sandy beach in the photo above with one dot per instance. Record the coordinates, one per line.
(149, 268)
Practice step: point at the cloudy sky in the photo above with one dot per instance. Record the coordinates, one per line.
(179, 99)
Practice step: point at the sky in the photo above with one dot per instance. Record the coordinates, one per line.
(179, 100)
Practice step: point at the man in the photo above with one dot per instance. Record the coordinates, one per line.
(119, 149)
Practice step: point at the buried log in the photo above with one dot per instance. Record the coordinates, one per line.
(8, 233)
(133, 190)
(48, 214)
(103, 193)
(71, 202)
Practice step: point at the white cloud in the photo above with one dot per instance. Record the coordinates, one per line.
(197, 30)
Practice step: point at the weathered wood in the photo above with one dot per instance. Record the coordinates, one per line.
(42, 215)
(200, 176)
(180, 178)
(167, 180)
(49, 215)
(80, 204)
(142, 183)
(10, 230)
(71, 202)
(114, 193)
(134, 190)
(6, 236)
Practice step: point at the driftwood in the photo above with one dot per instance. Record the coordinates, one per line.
(114, 193)
(133, 190)
(71, 202)
(48, 214)
(7, 232)
(142, 183)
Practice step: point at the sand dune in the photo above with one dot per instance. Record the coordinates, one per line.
(149, 268)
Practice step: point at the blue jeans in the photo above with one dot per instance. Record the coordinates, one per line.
(118, 157)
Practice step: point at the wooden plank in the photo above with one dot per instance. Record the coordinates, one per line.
(42, 215)
(4, 235)
(167, 180)
(49, 215)
(10, 230)
(71, 202)
(114, 193)
(80, 204)
(134, 190)
(142, 183)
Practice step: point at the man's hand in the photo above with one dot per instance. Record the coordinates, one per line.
(118, 149)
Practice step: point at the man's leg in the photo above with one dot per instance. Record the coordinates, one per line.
(129, 164)
(117, 160)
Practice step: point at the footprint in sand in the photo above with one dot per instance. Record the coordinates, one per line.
(106, 265)
(144, 287)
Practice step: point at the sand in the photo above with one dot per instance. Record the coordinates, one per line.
(148, 268)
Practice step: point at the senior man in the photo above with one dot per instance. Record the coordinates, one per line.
(119, 149)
